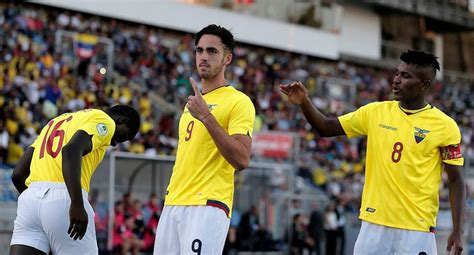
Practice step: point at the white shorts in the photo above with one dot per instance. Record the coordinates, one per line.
(378, 239)
(42, 221)
(200, 230)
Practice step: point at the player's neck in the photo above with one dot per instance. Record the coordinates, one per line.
(213, 83)
(413, 105)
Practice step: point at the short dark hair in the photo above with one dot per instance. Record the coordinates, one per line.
(420, 58)
(131, 114)
(226, 36)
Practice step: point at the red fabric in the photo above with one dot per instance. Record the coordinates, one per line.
(451, 152)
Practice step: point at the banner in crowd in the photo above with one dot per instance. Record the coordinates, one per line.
(273, 144)
(248, 2)
(85, 45)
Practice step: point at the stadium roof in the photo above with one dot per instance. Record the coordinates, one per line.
(440, 16)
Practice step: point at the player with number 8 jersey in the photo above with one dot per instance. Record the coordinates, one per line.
(403, 162)
(409, 143)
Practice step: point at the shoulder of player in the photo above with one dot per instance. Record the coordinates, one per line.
(97, 113)
(379, 105)
(449, 122)
(440, 114)
(236, 94)
(96, 116)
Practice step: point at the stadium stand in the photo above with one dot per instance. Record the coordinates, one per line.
(151, 67)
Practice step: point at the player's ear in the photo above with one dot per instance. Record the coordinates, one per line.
(426, 85)
(228, 58)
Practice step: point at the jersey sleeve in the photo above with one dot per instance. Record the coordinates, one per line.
(38, 140)
(451, 146)
(242, 117)
(101, 127)
(356, 123)
(35, 144)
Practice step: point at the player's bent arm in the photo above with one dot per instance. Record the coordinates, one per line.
(234, 148)
(79, 145)
(326, 127)
(457, 194)
(22, 170)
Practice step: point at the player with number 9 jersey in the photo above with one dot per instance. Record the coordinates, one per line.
(201, 176)
(215, 132)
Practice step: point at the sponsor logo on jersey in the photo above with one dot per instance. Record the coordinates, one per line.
(387, 127)
(370, 210)
(420, 134)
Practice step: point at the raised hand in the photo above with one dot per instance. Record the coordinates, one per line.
(196, 104)
(295, 91)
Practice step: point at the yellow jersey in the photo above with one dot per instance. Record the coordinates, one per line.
(405, 153)
(46, 164)
(201, 175)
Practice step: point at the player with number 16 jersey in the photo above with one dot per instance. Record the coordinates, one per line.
(53, 177)
(47, 158)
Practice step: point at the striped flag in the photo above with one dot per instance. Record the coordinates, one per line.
(85, 45)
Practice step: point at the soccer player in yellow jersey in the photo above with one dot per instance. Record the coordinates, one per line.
(214, 141)
(409, 142)
(53, 178)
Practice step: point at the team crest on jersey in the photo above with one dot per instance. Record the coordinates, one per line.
(102, 129)
(420, 134)
(211, 106)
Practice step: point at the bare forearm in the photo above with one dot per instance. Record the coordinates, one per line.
(19, 180)
(71, 165)
(323, 125)
(22, 170)
(231, 149)
(457, 198)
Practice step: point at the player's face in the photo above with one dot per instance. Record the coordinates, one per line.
(211, 56)
(121, 134)
(406, 86)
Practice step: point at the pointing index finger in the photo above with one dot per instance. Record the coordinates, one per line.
(195, 87)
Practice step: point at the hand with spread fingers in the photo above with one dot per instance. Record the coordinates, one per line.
(295, 91)
(454, 244)
(196, 104)
(78, 221)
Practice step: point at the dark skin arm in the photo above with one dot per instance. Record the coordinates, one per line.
(457, 196)
(324, 126)
(79, 145)
(22, 170)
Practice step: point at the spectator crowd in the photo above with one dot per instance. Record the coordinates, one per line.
(40, 79)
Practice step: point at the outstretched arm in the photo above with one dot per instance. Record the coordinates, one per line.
(79, 145)
(457, 193)
(22, 170)
(324, 126)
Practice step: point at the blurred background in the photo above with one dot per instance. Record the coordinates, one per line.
(61, 56)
